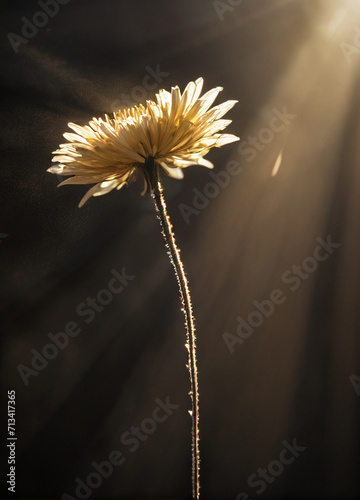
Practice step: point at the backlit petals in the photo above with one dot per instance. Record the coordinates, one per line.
(177, 130)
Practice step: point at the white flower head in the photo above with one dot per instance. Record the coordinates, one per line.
(177, 131)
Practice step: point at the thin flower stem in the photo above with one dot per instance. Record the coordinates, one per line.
(174, 253)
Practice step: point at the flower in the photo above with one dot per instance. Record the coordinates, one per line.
(176, 131)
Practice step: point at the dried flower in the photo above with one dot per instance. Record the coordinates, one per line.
(177, 131)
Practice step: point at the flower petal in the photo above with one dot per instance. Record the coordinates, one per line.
(177, 130)
(205, 163)
(226, 139)
(88, 195)
(99, 190)
(176, 173)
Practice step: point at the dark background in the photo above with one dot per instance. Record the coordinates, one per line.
(295, 377)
